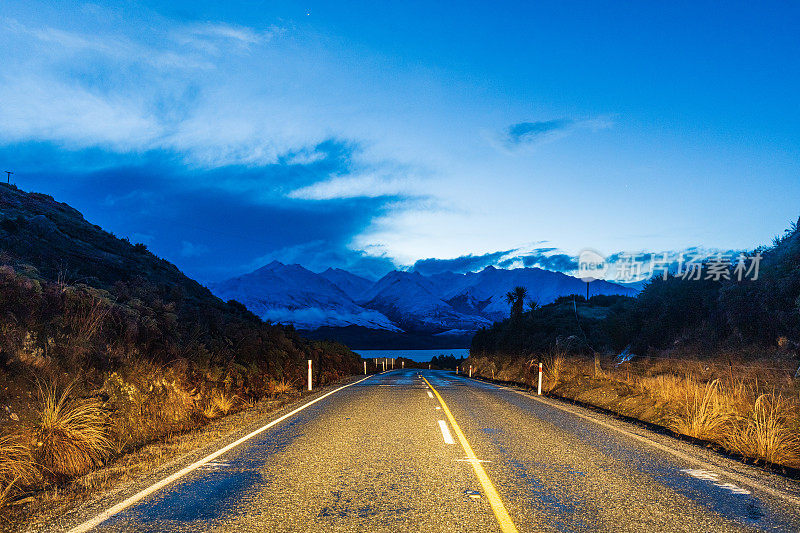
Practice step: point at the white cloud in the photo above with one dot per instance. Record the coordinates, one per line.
(370, 185)
(41, 108)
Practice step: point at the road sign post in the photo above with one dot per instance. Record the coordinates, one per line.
(540, 379)
(365, 368)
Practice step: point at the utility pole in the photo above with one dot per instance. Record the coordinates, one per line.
(8, 176)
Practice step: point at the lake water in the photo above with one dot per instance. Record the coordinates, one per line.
(421, 356)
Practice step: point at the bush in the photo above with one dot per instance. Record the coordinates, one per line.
(71, 434)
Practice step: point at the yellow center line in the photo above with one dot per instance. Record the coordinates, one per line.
(506, 525)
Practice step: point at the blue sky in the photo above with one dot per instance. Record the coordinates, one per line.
(368, 136)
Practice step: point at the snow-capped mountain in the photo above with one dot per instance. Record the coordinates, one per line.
(293, 294)
(441, 304)
(352, 285)
(484, 292)
(413, 302)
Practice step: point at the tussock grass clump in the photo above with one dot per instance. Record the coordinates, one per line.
(16, 460)
(219, 404)
(71, 433)
(553, 372)
(705, 413)
(284, 387)
(766, 432)
(17, 467)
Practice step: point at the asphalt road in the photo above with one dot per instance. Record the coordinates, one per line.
(392, 453)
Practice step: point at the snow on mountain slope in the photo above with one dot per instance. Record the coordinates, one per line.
(485, 290)
(411, 301)
(352, 285)
(293, 294)
(398, 301)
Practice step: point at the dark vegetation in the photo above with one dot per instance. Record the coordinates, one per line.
(446, 362)
(712, 360)
(105, 347)
(361, 338)
(702, 315)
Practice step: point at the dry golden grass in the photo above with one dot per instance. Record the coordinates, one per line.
(218, 404)
(279, 388)
(71, 433)
(553, 372)
(16, 460)
(17, 467)
(705, 412)
(723, 400)
(765, 432)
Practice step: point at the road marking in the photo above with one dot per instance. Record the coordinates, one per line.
(216, 464)
(506, 525)
(108, 513)
(684, 456)
(438, 408)
(430, 395)
(714, 478)
(448, 438)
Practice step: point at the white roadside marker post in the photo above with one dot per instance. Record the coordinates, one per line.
(365, 368)
(540, 379)
(402, 364)
(309, 374)
(393, 363)
(456, 368)
(470, 370)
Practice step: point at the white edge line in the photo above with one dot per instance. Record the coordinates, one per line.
(108, 513)
(430, 395)
(686, 457)
(448, 437)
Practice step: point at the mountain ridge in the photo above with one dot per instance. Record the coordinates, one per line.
(403, 302)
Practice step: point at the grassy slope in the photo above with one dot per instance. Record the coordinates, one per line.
(105, 347)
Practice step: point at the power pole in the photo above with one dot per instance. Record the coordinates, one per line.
(8, 176)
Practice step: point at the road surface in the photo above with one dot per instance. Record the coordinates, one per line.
(418, 450)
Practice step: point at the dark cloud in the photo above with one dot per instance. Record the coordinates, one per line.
(465, 263)
(215, 223)
(527, 132)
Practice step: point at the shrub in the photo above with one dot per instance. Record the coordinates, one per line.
(17, 467)
(766, 432)
(218, 404)
(71, 436)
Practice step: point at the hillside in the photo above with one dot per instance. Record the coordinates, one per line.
(172, 315)
(94, 323)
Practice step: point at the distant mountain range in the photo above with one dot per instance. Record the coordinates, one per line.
(441, 310)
